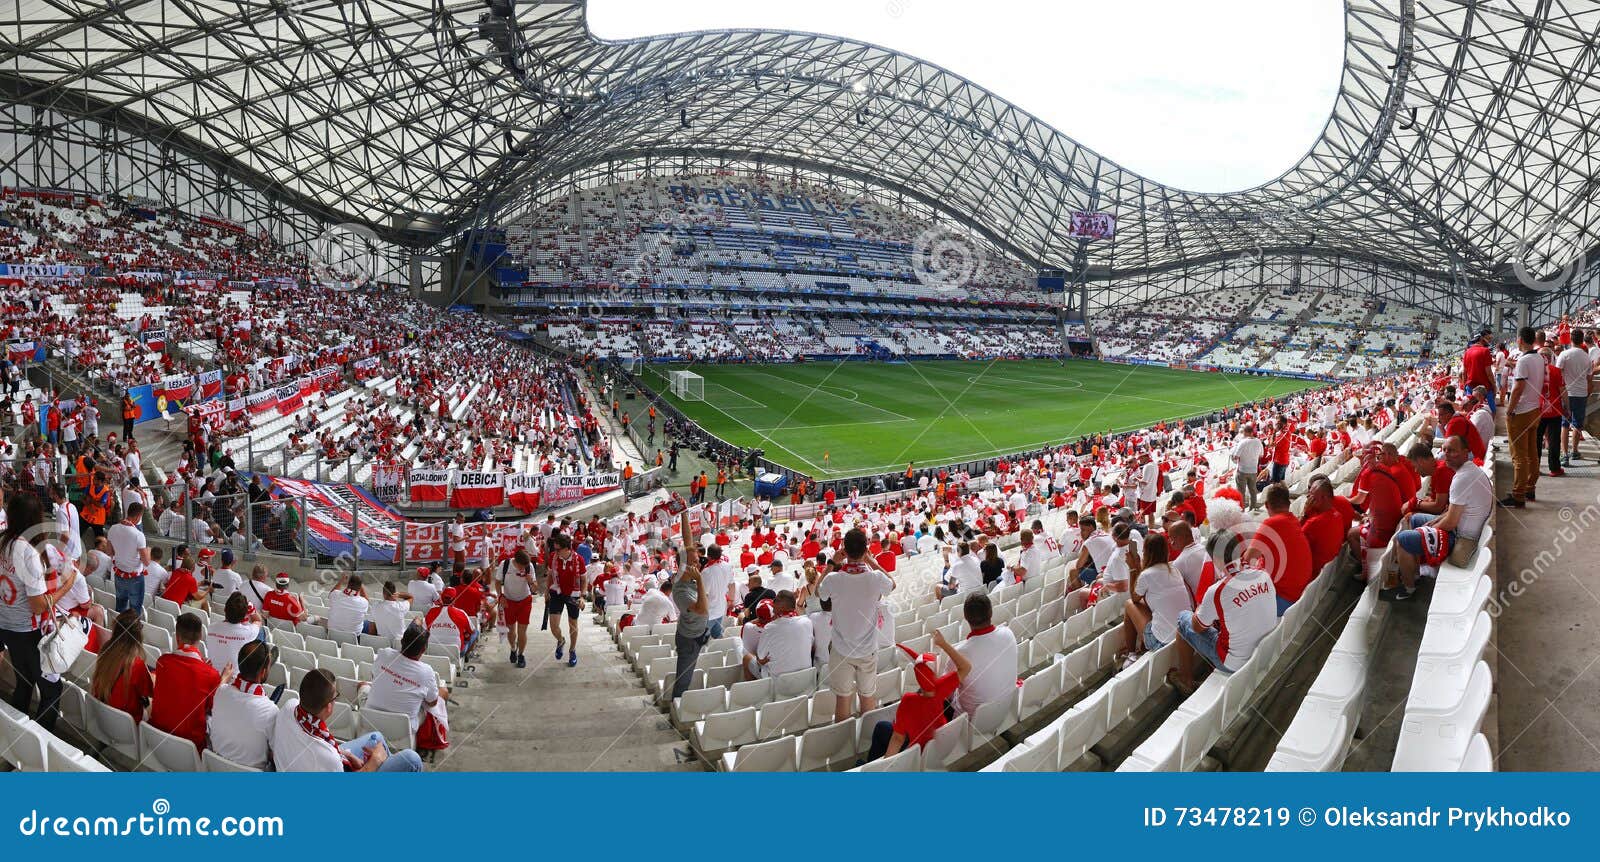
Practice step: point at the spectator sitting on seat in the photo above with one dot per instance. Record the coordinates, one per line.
(1159, 594)
(445, 617)
(922, 712)
(389, 613)
(182, 587)
(1426, 466)
(1431, 538)
(992, 650)
(1279, 546)
(243, 714)
(347, 609)
(240, 625)
(754, 595)
(403, 683)
(301, 741)
(787, 641)
(280, 604)
(1229, 620)
(1118, 567)
(185, 685)
(965, 575)
(120, 678)
(750, 637)
(1326, 522)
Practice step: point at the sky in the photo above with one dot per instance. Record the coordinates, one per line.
(1204, 95)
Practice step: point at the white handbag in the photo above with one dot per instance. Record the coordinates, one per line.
(63, 644)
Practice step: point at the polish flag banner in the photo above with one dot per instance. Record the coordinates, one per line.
(470, 490)
(424, 543)
(523, 490)
(288, 399)
(210, 384)
(261, 402)
(429, 486)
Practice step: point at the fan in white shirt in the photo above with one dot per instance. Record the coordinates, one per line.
(786, 642)
(347, 609)
(388, 614)
(992, 650)
(242, 713)
(424, 593)
(657, 606)
(401, 682)
(239, 627)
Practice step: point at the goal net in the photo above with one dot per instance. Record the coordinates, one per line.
(687, 385)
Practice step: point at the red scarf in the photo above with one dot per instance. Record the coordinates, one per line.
(316, 727)
(248, 687)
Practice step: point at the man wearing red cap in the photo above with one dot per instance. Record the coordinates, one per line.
(922, 712)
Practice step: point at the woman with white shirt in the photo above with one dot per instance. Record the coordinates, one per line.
(1150, 618)
(25, 615)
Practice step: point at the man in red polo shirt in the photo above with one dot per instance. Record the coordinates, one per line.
(1281, 548)
(1326, 523)
(181, 586)
(922, 712)
(185, 685)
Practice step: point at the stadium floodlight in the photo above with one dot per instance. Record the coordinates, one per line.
(687, 385)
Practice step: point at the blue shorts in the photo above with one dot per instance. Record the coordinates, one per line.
(1204, 643)
(1284, 605)
(1410, 540)
(1088, 574)
(1577, 406)
(1151, 642)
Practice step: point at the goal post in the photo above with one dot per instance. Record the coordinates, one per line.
(687, 385)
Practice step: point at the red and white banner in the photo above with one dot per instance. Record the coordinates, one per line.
(326, 378)
(21, 351)
(154, 339)
(210, 383)
(288, 399)
(430, 486)
(562, 489)
(236, 407)
(387, 480)
(261, 402)
(524, 490)
(307, 386)
(178, 388)
(423, 543)
(477, 490)
(365, 368)
(600, 483)
(213, 413)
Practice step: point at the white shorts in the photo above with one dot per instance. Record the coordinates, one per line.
(848, 676)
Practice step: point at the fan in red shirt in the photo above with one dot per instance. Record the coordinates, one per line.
(1438, 499)
(922, 712)
(280, 604)
(185, 685)
(566, 593)
(182, 586)
(1326, 523)
(1378, 495)
(1281, 547)
(1455, 424)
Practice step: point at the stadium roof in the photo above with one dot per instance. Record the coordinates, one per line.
(1462, 139)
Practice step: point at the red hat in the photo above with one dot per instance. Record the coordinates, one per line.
(922, 665)
(207, 553)
(448, 596)
(765, 611)
(422, 570)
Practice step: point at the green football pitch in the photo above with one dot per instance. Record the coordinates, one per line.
(835, 419)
